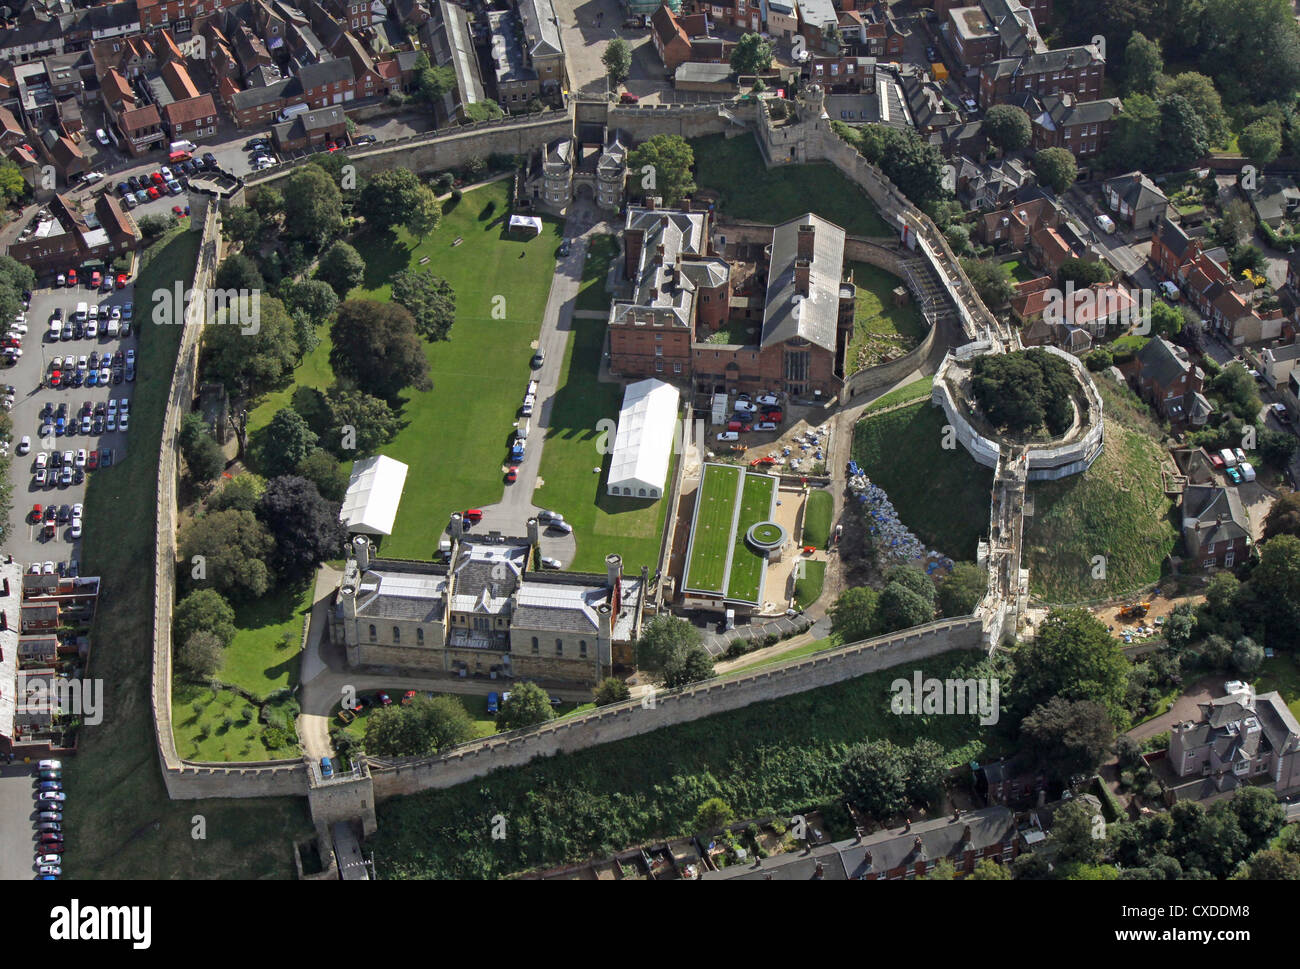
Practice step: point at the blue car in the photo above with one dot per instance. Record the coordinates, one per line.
(59, 425)
(47, 786)
(492, 703)
(326, 768)
(92, 379)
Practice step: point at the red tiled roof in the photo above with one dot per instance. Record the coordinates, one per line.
(143, 117)
(191, 109)
(178, 81)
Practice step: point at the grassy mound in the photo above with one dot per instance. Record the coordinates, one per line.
(1116, 509)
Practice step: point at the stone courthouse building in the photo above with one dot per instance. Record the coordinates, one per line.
(486, 610)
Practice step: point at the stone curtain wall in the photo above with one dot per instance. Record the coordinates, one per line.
(632, 718)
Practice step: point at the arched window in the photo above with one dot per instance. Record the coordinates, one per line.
(559, 647)
(374, 633)
(419, 636)
(397, 634)
(640, 492)
(582, 648)
(536, 645)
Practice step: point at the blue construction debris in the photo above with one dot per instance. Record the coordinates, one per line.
(890, 535)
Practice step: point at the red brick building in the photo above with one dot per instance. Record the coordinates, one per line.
(1071, 70)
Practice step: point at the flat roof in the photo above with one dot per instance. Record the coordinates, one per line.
(719, 561)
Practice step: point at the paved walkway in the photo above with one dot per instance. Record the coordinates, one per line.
(510, 514)
(1186, 707)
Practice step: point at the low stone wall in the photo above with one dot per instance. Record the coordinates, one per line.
(633, 718)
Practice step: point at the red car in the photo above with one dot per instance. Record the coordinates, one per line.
(157, 178)
(121, 281)
(153, 192)
(92, 460)
(627, 97)
(72, 277)
(36, 513)
(772, 415)
(512, 475)
(472, 515)
(1217, 462)
(95, 279)
(385, 699)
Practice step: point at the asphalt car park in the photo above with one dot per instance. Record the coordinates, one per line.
(30, 376)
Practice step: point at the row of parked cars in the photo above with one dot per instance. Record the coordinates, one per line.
(12, 344)
(139, 189)
(91, 419)
(1232, 462)
(50, 799)
(93, 370)
(763, 414)
(91, 279)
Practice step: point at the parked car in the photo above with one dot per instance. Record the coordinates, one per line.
(746, 406)
(539, 358)
(728, 436)
(765, 426)
(549, 517)
(492, 702)
(551, 563)
(627, 97)
(326, 768)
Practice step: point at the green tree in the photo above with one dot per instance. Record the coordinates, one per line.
(425, 726)
(315, 299)
(962, 590)
(251, 363)
(1075, 830)
(435, 82)
(233, 547)
(1183, 138)
(1276, 585)
(1261, 141)
(875, 779)
(361, 423)
(988, 870)
(1272, 865)
(693, 665)
(992, 281)
(203, 610)
(958, 237)
(853, 615)
(1201, 93)
(661, 166)
(1099, 359)
(1075, 657)
(203, 455)
(611, 690)
(1247, 656)
(1056, 167)
(305, 526)
(1165, 320)
(663, 641)
(1134, 143)
(425, 216)
(1008, 127)
(712, 816)
(313, 206)
(1143, 64)
(1236, 388)
(1276, 447)
(1083, 272)
(1284, 517)
(528, 705)
(389, 197)
(200, 656)
(430, 299)
(1068, 737)
(751, 55)
(286, 441)
(375, 344)
(240, 273)
(617, 59)
(241, 224)
(901, 608)
(12, 184)
(323, 470)
(342, 268)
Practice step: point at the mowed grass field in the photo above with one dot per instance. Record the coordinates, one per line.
(941, 495)
(817, 511)
(632, 527)
(733, 169)
(125, 824)
(455, 437)
(711, 540)
(747, 565)
(881, 330)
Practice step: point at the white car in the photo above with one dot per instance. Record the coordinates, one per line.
(110, 423)
(765, 426)
(48, 860)
(42, 459)
(112, 405)
(81, 362)
(50, 765)
(91, 177)
(47, 568)
(92, 330)
(68, 457)
(75, 532)
(24, 444)
(76, 510)
(745, 406)
(121, 422)
(768, 400)
(101, 136)
(126, 402)
(80, 460)
(1247, 471)
(728, 436)
(115, 313)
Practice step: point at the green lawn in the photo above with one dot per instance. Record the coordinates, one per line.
(1281, 673)
(592, 295)
(264, 655)
(1116, 509)
(632, 527)
(1020, 272)
(485, 724)
(768, 758)
(455, 438)
(808, 589)
(747, 565)
(817, 512)
(795, 652)
(707, 568)
(127, 826)
(733, 169)
(941, 495)
(916, 390)
(224, 728)
(882, 331)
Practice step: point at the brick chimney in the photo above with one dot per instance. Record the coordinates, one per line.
(807, 233)
(802, 276)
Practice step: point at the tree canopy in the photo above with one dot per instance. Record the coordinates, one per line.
(1024, 391)
(661, 166)
(376, 345)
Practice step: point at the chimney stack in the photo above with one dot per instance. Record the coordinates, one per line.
(457, 527)
(804, 249)
(534, 533)
(802, 276)
(613, 569)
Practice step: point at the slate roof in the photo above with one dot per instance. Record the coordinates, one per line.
(1163, 362)
(813, 317)
(1213, 514)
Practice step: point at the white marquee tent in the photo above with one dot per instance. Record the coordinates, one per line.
(374, 492)
(643, 445)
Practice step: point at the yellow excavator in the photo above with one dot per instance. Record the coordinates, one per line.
(1134, 611)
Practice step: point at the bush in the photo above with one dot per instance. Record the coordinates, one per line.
(736, 648)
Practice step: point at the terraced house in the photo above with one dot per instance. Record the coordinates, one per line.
(486, 611)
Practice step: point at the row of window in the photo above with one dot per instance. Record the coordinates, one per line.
(559, 647)
(536, 643)
(397, 634)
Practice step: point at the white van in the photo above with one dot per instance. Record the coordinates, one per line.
(183, 146)
(111, 330)
(82, 312)
(293, 110)
(521, 431)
